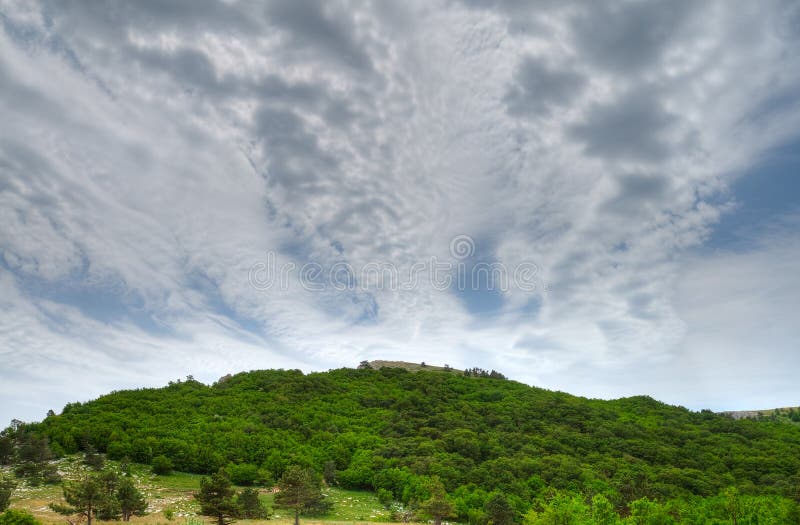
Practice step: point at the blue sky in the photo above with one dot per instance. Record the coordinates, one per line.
(208, 187)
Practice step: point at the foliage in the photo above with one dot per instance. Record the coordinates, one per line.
(385, 497)
(217, 498)
(250, 506)
(499, 511)
(83, 498)
(438, 506)
(131, 501)
(104, 495)
(17, 517)
(32, 457)
(7, 486)
(300, 490)
(246, 474)
(92, 459)
(395, 430)
(162, 465)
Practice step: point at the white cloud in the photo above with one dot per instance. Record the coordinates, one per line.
(149, 157)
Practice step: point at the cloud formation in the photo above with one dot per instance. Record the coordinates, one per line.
(152, 153)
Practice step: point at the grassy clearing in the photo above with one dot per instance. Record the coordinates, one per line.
(174, 492)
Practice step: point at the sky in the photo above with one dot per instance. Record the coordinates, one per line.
(597, 198)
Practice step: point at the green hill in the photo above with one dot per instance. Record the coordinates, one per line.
(391, 430)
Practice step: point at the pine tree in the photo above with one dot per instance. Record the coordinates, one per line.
(131, 501)
(83, 498)
(33, 458)
(250, 506)
(7, 486)
(216, 498)
(438, 506)
(300, 491)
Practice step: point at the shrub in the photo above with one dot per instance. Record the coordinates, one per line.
(18, 517)
(243, 474)
(162, 466)
(385, 497)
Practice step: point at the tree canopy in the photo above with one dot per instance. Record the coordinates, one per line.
(394, 430)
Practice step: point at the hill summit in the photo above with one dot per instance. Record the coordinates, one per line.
(386, 428)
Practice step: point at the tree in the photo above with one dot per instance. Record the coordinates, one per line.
(562, 509)
(250, 506)
(7, 486)
(6, 448)
(732, 504)
(33, 458)
(131, 501)
(364, 365)
(108, 508)
(499, 510)
(83, 498)
(300, 491)
(329, 472)
(438, 506)
(603, 511)
(216, 498)
(93, 459)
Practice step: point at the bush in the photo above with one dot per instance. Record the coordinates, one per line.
(162, 466)
(243, 474)
(385, 497)
(18, 517)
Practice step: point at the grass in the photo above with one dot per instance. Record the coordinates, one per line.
(174, 492)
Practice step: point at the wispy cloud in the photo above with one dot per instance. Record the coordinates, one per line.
(151, 154)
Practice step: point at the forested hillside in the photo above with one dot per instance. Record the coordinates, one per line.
(391, 430)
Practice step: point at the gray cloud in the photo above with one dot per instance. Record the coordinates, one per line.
(295, 160)
(321, 29)
(634, 126)
(636, 193)
(538, 87)
(630, 36)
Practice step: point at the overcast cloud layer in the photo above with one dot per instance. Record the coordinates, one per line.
(152, 154)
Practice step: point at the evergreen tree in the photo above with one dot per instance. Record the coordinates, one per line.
(108, 508)
(499, 510)
(131, 501)
(250, 506)
(216, 498)
(7, 486)
(33, 458)
(329, 472)
(93, 459)
(438, 506)
(83, 498)
(300, 491)
(6, 447)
